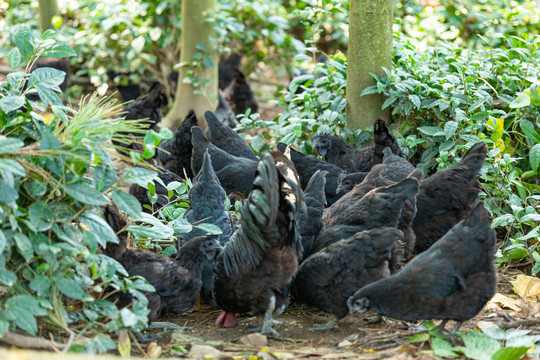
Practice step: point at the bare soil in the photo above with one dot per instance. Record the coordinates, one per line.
(365, 336)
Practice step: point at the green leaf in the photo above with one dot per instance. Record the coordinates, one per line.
(210, 229)
(23, 41)
(257, 144)
(528, 129)
(40, 284)
(10, 144)
(502, 220)
(21, 309)
(24, 245)
(181, 225)
(14, 58)
(431, 130)
(104, 176)
(99, 228)
(450, 128)
(3, 241)
(522, 100)
(534, 158)
(48, 96)
(48, 34)
(7, 193)
(72, 289)
(86, 194)
(59, 50)
(510, 353)
(127, 203)
(208, 62)
(7, 277)
(478, 346)
(41, 216)
(498, 127)
(11, 103)
(12, 166)
(139, 176)
(418, 338)
(155, 232)
(128, 317)
(4, 327)
(47, 77)
(442, 347)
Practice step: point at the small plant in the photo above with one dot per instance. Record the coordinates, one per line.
(491, 343)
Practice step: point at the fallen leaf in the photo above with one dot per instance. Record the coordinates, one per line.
(257, 340)
(202, 352)
(154, 350)
(528, 308)
(527, 287)
(504, 302)
(124, 344)
(344, 343)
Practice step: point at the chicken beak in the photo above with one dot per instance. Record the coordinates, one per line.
(321, 151)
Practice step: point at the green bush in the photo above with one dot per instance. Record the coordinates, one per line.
(447, 98)
(56, 170)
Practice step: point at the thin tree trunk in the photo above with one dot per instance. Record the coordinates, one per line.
(47, 9)
(370, 48)
(200, 95)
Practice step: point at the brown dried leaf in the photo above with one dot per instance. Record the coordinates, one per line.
(257, 340)
(504, 302)
(527, 287)
(154, 350)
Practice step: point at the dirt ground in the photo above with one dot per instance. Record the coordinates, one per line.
(365, 336)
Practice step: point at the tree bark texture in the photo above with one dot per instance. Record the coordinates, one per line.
(196, 44)
(47, 9)
(370, 49)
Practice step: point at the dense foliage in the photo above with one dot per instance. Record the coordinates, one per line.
(57, 167)
(476, 79)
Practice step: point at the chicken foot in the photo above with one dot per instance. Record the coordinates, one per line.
(266, 327)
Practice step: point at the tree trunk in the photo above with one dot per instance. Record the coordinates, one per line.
(370, 49)
(47, 9)
(201, 92)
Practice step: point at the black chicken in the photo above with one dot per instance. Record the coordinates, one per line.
(207, 204)
(307, 165)
(310, 222)
(396, 168)
(177, 281)
(224, 113)
(256, 266)
(148, 106)
(226, 69)
(328, 278)
(347, 181)
(336, 151)
(175, 154)
(239, 94)
(447, 196)
(375, 178)
(381, 207)
(452, 280)
(226, 138)
(234, 173)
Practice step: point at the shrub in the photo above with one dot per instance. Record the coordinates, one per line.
(56, 169)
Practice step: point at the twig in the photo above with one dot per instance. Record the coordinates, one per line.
(518, 323)
(27, 342)
(138, 345)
